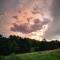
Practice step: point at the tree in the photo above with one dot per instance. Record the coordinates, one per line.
(13, 40)
(1, 36)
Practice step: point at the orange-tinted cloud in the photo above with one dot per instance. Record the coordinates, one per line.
(26, 17)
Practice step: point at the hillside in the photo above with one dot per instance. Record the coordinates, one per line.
(42, 55)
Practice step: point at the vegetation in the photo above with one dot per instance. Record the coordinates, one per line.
(42, 55)
(16, 44)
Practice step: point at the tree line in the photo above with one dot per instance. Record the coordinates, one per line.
(16, 44)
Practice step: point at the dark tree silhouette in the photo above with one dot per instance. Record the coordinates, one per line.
(16, 44)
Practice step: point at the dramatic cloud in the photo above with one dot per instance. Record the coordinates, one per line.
(28, 28)
(27, 18)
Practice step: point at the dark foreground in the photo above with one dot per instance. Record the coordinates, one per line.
(42, 55)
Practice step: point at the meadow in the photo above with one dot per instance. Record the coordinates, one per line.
(41, 55)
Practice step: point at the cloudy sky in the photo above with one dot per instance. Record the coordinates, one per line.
(35, 19)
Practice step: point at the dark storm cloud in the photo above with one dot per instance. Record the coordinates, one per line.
(25, 29)
(38, 24)
(54, 28)
(20, 28)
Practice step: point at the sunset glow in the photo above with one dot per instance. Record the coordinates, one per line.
(27, 18)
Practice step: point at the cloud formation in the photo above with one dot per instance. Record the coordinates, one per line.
(29, 28)
(24, 16)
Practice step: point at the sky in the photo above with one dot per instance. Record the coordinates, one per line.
(35, 19)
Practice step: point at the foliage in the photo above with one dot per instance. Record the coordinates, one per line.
(16, 44)
(42, 55)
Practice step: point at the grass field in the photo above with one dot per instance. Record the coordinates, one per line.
(42, 55)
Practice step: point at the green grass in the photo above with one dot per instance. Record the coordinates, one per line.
(42, 55)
